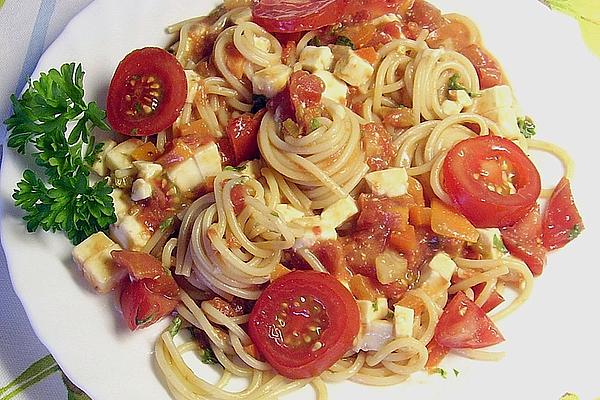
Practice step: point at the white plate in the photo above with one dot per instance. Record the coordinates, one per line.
(552, 341)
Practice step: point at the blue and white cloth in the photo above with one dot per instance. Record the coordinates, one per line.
(27, 28)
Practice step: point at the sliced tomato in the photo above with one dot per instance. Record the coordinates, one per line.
(362, 248)
(562, 221)
(464, 325)
(288, 16)
(492, 302)
(147, 92)
(378, 147)
(425, 15)
(155, 209)
(524, 240)
(488, 69)
(141, 306)
(139, 265)
(303, 323)
(331, 255)
(491, 181)
(437, 352)
(242, 133)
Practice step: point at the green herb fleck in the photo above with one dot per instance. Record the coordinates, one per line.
(456, 372)
(175, 326)
(375, 306)
(442, 372)
(344, 41)
(259, 102)
(314, 124)
(239, 168)
(141, 322)
(275, 214)
(208, 356)
(499, 244)
(454, 84)
(575, 231)
(167, 223)
(526, 126)
(315, 41)
(53, 122)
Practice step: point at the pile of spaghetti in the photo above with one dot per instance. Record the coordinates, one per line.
(331, 192)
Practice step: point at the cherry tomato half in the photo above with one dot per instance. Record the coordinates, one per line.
(147, 92)
(464, 325)
(490, 180)
(288, 16)
(303, 323)
(562, 222)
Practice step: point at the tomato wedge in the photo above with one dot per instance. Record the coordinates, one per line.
(150, 294)
(464, 325)
(562, 221)
(303, 323)
(242, 132)
(147, 92)
(288, 16)
(524, 240)
(491, 181)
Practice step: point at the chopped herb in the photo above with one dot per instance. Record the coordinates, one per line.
(344, 41)
(575, 231)
(259, 102)
(375, 306)
(315, 41)
(208, 356)
(314, 124)
(239, 168)
(454, 84)
(167, 223)
(175, 326)
(456, 372)
(53, 121)
(124, 182)
(390, 315)
(440, 371)
(275, 214)
(569, 396)
(499, 244)
(140, 322)
(526, 126)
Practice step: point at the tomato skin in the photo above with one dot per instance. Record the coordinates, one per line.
(287, 16)
(169, 75)
(467, 187)
(339, 320)
(562, 221)
(140, 265)
(524, 240)
(464, 325)
(488, 69)
(242, 133)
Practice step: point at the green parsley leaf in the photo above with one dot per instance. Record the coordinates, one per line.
(53, 123)
(36, 372)
(259, 102)
(167, 223)
(239, 168)
(456, 372)
(208, 356)
(499, 244)
(345, 41)
(575, 231)
(454, 84)
(375, 306)
(175, 326)
(440, 371)
(526, 126)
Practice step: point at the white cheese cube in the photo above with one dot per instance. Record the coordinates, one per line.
(101, 272)
(208, 160)
(492, 98)
(288, 213)
(252, 169)
(185, 175)
(121, 202)
(403, 321)
(262, 43)
(89, 247)
(99, 166)
(147, 170)
(450, 107)
(271, 80)
(490, 243)
(461, 97)
(375, 335)
(443, 264)
(119, 157)
(339, 212)
(315, 58)
(390, 267)
(140, 190)
(372, 310)
(391, 182)
(313, 234)
(506, 118)
(130, 233)
(353, 69)
(335, 89)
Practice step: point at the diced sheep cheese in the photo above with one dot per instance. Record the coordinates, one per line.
(374, 336)
(435, 277)
(335, 89)
(500, 96)
(288, 213)
(372, 310)
(461, 97)
(506, 118)
(121, 202)
(403, 321)
(271, 80)
(443, 264)
(93, 257)
(353, 69)
(130, 233)
(185, 175)
(147, 170)
(99, 166)
(119, 157)
(315, 58)
(314, 234)
(390, 182)
(140, 190)
(208, 159)
(490, 243)
(339, 212)
(262, 43)
(390, 267)
(252, 169)
(450, 107)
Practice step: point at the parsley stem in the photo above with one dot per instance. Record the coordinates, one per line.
(32, 375)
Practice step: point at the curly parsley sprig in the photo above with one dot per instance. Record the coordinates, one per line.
(53, 122)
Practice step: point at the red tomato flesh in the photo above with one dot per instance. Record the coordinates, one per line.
(464, 325)
(488, 69)
(524, 240)
(491, 181)
(303, 323)
(288, 16)
(242, 133)
(147, 92)
(562, 221)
